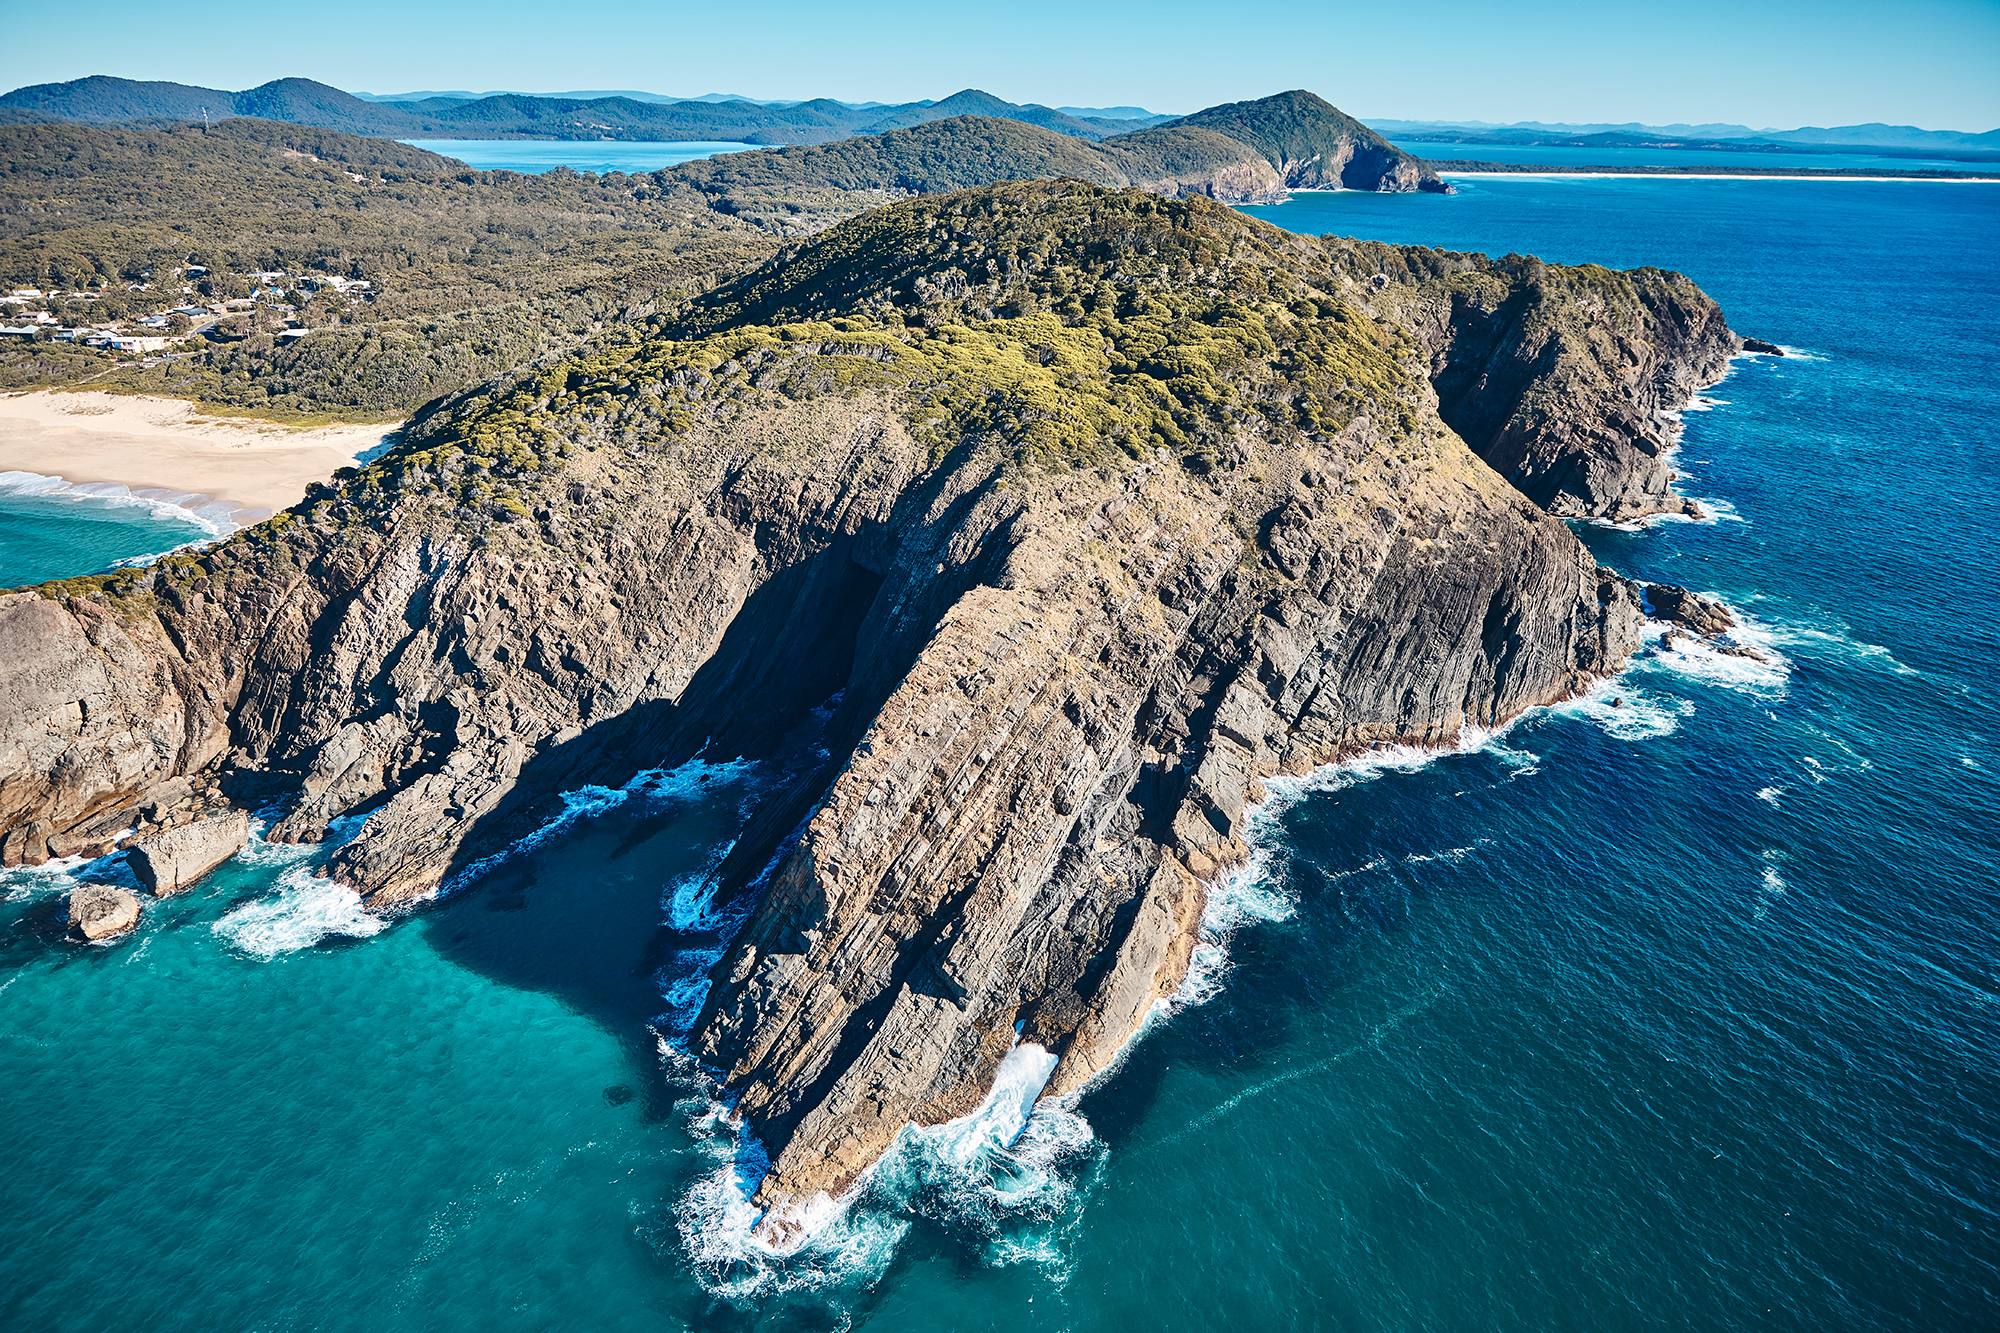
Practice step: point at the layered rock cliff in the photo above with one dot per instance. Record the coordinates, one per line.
(1565, 379)
(1091, 509)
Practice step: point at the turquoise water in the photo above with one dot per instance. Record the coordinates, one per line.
(1561, 155)
(50, 531)
(602, 156)
(1675, 1015)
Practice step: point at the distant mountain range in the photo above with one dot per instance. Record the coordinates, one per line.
(520, 115)
(1542, 134)
(1084, 112)
(630, 114)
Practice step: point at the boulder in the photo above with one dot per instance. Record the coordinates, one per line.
(172, 861)
(98, 911)
(1762, 348)
(1698, 613)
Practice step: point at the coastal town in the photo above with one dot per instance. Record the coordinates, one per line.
(206, 307)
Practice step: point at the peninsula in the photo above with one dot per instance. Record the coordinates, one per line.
(1086, 508)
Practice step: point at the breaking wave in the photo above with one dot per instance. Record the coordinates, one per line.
(1002, 1178)
(305, 910)
(695, 779)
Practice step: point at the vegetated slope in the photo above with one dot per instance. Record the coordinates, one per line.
(472, 272)
(1313, 144)
(1092, 509)
(973, 102)
(1242, 153)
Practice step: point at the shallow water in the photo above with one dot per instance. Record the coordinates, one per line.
(1674, 1012)
(50, 530)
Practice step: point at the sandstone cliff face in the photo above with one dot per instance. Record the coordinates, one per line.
(1564, 379)
(1081, 576)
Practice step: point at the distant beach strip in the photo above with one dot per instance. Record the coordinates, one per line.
(1456, 170)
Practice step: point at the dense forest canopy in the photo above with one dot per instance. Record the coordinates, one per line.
(471, 272)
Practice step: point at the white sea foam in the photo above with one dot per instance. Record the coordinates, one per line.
(1764, 675)
(215, 518)
(1625, 712)
(1452, 854)
(305, 910)
(1017, 1152)
(1838, 643)
(1770, 795)
(20, 883)
(1770, 885)
(695, 778)
(985, 1171)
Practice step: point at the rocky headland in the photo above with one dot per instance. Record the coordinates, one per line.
(1091, 509)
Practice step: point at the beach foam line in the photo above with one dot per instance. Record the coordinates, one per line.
(164, 446)
(218, 518)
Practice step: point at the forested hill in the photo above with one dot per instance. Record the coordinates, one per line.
(467, 273)
(517, 116)
(404, 275)
(1244, 152)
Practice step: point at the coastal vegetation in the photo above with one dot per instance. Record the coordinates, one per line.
(518, 116)
(468, 273)
(400, 275)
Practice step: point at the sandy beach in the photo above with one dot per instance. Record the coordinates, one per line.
(1692, 176)
(235, 469)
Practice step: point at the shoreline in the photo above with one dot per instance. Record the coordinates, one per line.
(229, 471)
(1700, 176)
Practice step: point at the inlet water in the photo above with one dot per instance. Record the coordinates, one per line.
(1676, 1014)
(602, 156)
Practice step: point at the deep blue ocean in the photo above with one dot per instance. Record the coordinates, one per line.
(1678, 1015)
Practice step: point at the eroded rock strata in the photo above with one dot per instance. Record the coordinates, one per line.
(1092, 509)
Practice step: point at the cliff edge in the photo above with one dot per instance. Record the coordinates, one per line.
(1091, 510)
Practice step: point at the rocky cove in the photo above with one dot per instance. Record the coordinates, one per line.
(1092, 510)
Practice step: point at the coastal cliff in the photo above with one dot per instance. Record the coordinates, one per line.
(1088, 510)
(1565, 378)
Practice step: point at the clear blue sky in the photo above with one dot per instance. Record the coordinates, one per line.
(1934, 63)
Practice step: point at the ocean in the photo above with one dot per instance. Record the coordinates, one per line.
(1566, 155)
(1676, 1014)
(50, 529)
